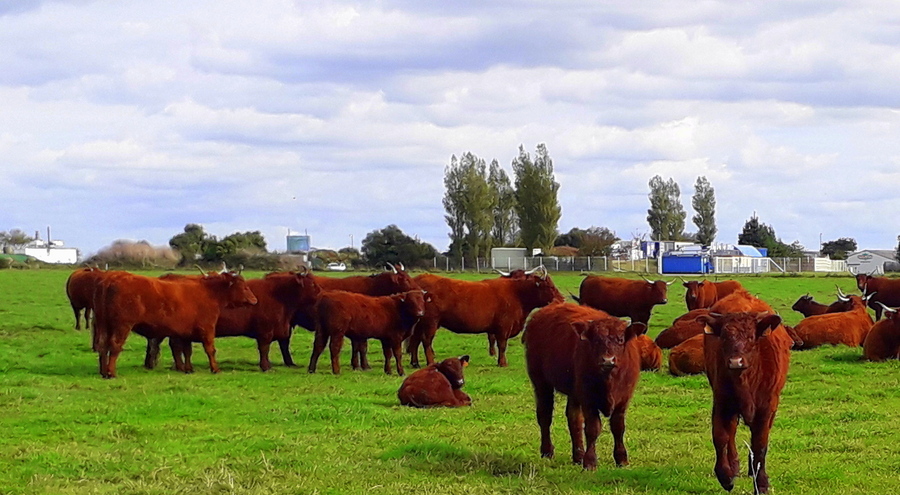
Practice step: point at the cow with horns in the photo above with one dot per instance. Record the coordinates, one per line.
(883, 341)
(849, 327)
(879, 290)
(807, 306)
(623, 297)
(496, 306)
(703, 294)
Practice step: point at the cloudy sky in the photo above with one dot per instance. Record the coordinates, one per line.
(128, 120)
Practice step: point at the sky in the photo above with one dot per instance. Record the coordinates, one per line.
(129, 120)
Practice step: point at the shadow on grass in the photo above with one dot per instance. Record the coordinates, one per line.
(444, 459)
(848, 356)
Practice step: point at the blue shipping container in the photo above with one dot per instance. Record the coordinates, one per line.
(686, 264)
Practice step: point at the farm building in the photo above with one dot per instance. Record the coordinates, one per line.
(50, 252)
(872, 261)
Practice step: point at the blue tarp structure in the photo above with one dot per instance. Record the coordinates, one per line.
(751, 251)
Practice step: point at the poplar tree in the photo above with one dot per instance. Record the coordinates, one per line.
(704, 204)
(503, 232)
(666, 214)
(537, 202)
(469, 203)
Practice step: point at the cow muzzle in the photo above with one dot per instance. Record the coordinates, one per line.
(737, 363)
(608, 361)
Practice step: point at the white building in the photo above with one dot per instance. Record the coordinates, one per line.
(50, 252)
(871, 261)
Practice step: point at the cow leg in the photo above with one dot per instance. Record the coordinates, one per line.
(181, 349)
(388, 354)
(398, 356)
(78, 318)
(462, 398)
(617, 427)
(428, 340)
(501, 351)
(263, 345)
(591, 432)
(354, 355)
(364, 355)
(491, 342)
(412, 347)
(115, 348)
(151, 355)
(210, 347)
(285, 346)
(759, 447)
(877, 308)
(88, 315)
(319, 344)
(576, 429)
(724, 427)
(543, 399)
(104, 362)
(337, 341)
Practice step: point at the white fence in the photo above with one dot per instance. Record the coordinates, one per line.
(740, 264)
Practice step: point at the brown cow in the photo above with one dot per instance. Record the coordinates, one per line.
(686, 358)
(497, 306)
(848, 328)
(623, 297)
(389, 319)
(651, 354)
(594, 360)
(438, 384)
(807, 306)
(703, 294)
(683, 328)
(883, 341)
(747, 355)
(184, 309)
(879, 289)
(80, 290)
(393, 280)
(279, 297)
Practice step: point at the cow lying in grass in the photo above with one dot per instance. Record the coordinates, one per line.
(883, 340)
(436, 385)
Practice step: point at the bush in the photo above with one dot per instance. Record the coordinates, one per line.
(128, 254)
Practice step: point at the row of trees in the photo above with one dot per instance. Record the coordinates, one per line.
(13, 239)
(484, 209)
(666, 215)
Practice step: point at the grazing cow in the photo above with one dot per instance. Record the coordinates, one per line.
(623, 297)
(389, 319)
(683, 328)
(393, 280)
(703, 294)
(747, 354)
(879, 290)
(849, 327)
(80, 290)
(438, 384)
(279, 297)
(497, 306)
(184, 309)
(883, 341)
(651, 354)
(594, 360)
(686, 358)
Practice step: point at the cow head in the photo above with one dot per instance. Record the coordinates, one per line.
(656, 291)
(892, 314)
(452, 368)
(692, 294)
(413, 302)
(603, 341)
(393, 280)
(233, 286)
(739, 334)
(802, 304)
(863, 280)
(539, 289)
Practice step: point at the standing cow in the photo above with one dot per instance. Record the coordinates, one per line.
(703, 294)
(879, 290)
(184, 309)
(80, 289)
(497, 306)
(623, 297)
(747, 354)
(359, 317)
(594, 360)
(279, 297)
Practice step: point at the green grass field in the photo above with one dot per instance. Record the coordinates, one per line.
(66, 430)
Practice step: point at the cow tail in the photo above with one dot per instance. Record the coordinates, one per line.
(99, 322)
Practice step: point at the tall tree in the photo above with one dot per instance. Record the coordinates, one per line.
(191, 244)
(537, 202)
(15, 238)
(469, 202)
(391, 245)
(505, 221)
(597, 241)
(704, 204)
(838, 249)
(666, 214)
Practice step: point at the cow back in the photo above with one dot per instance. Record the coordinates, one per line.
(883, 340)
(848, 328)
(683, 328)
(620, 296)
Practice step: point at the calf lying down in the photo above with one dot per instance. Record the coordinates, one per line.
(437, 384)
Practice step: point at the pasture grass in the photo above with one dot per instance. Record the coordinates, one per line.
(66, 431)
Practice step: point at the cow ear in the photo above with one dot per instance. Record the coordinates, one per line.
(636, 328)
(464, 360)
(710, 326)
(581, 328)
(766, 321)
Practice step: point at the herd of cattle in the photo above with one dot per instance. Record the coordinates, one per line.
(584, 351)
